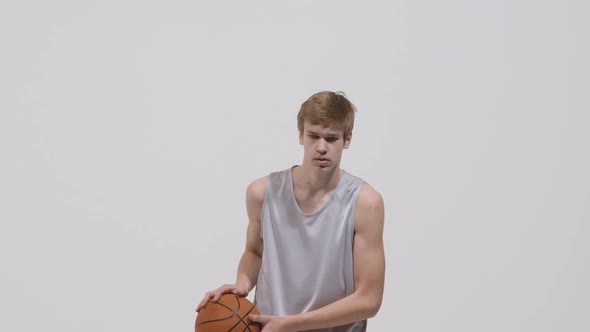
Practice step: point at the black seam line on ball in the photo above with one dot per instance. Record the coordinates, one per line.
(241, 320)
(225, 318)
(235, 312)
(216, 320)
(248, 325)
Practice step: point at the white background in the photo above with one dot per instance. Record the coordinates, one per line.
(129, 131)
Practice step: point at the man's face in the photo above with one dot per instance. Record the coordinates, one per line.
(323, 146)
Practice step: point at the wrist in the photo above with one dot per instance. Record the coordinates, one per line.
(244, 282)
(293, 322)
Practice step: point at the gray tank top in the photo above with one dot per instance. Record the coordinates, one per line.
(307, 258)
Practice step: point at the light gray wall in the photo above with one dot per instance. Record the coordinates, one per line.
(129, 131)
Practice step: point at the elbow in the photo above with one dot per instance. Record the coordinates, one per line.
(373, 309)
(372, 304)
(369, 300)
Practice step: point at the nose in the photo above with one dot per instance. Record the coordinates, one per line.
(322, 147)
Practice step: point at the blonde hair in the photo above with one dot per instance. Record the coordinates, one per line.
(327, 108)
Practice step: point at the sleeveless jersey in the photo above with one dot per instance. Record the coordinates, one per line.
(307, 260)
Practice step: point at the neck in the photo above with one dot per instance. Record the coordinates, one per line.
(313, 180)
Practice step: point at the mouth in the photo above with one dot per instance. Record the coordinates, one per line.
(322, 162)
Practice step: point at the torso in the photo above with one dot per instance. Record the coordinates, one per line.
(307, 261)
(309, 200)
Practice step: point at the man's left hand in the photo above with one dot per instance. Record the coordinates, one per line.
(272, 323)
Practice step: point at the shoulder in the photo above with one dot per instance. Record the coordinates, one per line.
(256, 189)
(369, 207)
(369, 198)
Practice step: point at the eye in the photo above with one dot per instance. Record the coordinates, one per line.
(332, 139)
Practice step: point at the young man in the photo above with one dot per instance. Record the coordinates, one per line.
(314, 245)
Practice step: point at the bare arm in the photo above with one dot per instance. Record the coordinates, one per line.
(369, 275)
(252, 257)
(250, 262)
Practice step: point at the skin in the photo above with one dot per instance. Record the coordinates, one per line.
(314, 181)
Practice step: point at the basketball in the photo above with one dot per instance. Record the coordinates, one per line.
(230, 313)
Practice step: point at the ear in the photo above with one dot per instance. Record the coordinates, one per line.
(347, 141)
(300, 138)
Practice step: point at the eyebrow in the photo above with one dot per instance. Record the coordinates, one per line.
(329, 135)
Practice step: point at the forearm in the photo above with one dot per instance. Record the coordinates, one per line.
(352, 308)
(248, 269)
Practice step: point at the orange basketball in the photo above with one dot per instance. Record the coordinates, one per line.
(230, 313)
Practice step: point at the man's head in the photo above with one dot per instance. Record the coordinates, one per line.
(328, 109)
(325, 123)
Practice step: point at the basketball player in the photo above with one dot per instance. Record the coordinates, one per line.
(314, 245)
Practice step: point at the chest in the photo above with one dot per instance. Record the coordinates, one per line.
(310, 203)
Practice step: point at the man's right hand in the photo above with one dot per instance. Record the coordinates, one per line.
(214, 295)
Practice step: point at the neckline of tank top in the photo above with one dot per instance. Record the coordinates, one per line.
(345, 174)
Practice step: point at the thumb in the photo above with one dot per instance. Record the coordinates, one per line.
(263, 319)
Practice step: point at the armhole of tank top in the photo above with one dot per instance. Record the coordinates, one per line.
(355, 198)
(264, 202)
(351, 231)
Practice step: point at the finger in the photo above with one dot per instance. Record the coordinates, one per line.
(217, 296)
(202, 304)
(263, 319)
(204, 301)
